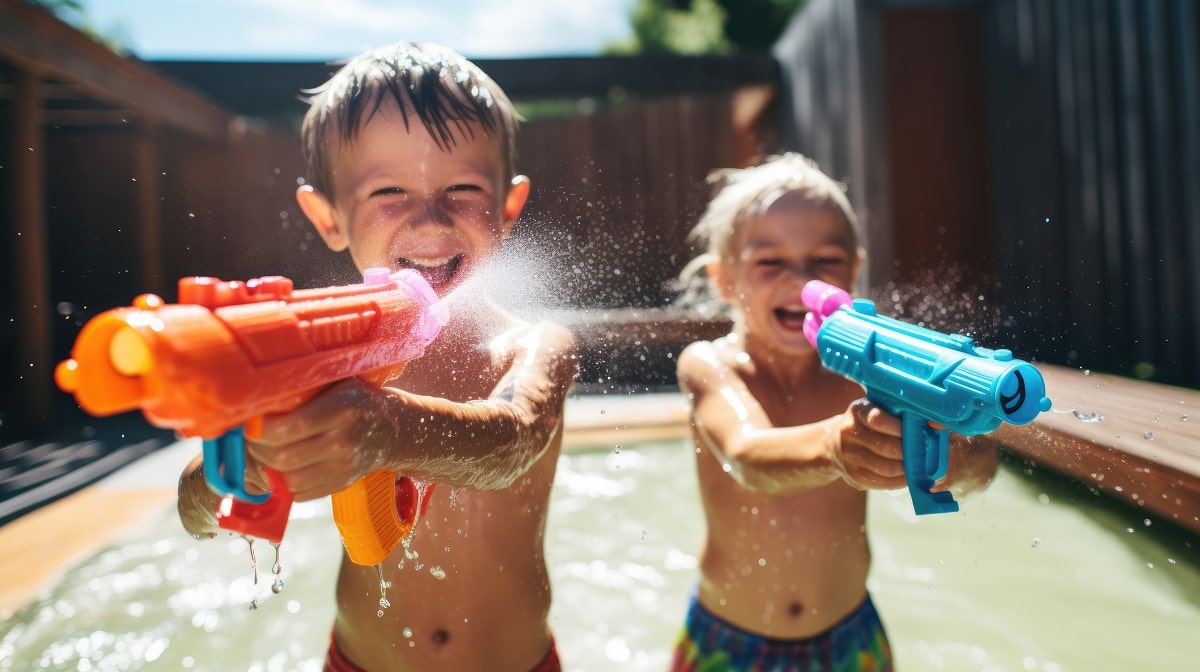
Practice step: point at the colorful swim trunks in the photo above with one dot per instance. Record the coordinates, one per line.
(857, 643)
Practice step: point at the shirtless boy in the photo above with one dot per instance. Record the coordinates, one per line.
(410, 153)
(786, 448)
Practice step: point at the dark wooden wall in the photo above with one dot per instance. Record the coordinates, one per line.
(1052, 146)
(1094, 128)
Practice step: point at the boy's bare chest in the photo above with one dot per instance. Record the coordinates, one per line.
(788, 405)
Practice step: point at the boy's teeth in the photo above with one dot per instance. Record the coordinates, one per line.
(429, 263)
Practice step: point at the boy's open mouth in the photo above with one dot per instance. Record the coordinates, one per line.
(437, 272)
(791, 318)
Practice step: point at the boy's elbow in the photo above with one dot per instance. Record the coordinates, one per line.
(747, 472)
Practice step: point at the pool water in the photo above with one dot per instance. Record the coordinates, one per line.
(1033, 574)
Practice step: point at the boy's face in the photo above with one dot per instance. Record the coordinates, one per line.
(400, 201)
(791, 243)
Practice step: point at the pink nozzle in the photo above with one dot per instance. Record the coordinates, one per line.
(436, 314)
(821, 299)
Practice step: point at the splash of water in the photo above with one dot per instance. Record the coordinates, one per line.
(943, 299)
(383, 601)
(254, 568)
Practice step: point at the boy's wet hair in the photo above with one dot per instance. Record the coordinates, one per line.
(741, 194)
(448, 93)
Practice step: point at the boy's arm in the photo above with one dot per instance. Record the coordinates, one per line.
(860, 445)
(354, 429)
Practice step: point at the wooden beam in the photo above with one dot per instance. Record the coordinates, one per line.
(147, 195)
(89, 118)
(33, 39)
(266, 89)
(30, 254)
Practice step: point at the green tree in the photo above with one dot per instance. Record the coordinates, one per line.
(75, 13)
(705, 26)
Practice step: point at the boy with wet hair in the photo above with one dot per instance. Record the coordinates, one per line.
(410, 154)
(785, 449)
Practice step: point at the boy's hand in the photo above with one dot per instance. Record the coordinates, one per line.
(870, 453)
(325, 445)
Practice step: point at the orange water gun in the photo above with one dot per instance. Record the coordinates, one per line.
(231, 352)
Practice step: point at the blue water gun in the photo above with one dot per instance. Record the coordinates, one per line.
(934, 383)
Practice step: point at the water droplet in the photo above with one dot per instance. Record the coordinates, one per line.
(1035, 542)
(1149, 436)
(437, 572)
(643, 536)
(379, 613)
(1087, 417)
(407, 632)
(1147, 522)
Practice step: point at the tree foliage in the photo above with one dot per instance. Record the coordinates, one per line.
(705, 26)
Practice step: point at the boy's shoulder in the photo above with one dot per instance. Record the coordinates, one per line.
(508, 335)
(727, 346)
(702, 359)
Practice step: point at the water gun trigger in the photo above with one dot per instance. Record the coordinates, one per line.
(225, 466)
(926, 460)
(267, 520)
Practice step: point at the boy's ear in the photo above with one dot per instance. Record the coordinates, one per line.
(719, 280)
(319, 211)
(514, 202)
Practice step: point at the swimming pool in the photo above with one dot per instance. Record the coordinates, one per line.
(1033, 574)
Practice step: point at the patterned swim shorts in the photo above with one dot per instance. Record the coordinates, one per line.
(857, 643)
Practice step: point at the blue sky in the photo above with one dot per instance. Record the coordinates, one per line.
(331, 29)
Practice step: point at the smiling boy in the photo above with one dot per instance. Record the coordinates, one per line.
(785, 447)
(410, 152)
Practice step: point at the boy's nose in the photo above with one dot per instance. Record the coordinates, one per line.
(798, 274)
(432, 212)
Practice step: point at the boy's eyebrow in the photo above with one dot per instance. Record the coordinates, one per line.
(836, 239)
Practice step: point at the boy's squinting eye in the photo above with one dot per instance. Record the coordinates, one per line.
(828, 261)
(388, 191)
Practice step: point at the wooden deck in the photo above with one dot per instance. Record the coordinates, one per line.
(1136, 441)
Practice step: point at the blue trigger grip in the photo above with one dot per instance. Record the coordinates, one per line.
(926, 458)
(225, 466)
